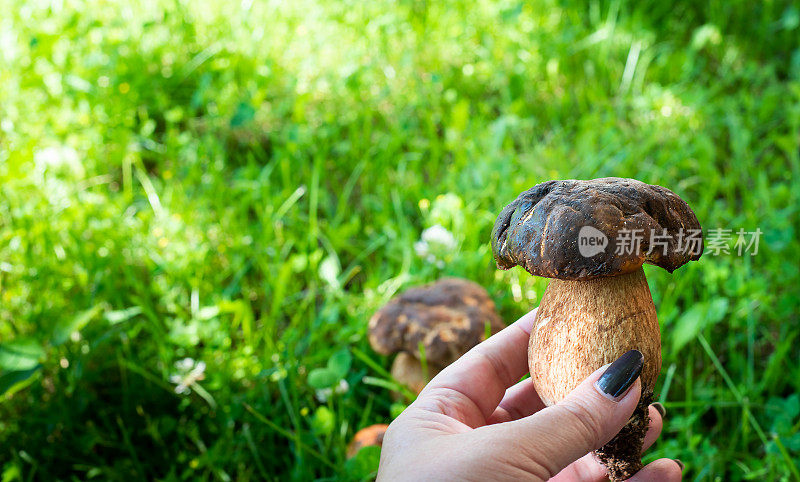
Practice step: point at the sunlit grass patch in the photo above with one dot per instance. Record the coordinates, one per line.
(243, 184)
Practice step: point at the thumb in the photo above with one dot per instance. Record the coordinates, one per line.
(583, 421)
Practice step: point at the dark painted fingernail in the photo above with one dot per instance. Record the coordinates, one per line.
(680, 464)
(660, 409)
(619, 377)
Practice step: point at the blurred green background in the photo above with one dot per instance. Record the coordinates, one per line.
(242, 184)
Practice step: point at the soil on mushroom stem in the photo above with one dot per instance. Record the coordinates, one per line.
(622, 455)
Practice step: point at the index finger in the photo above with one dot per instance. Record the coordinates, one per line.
(483, 373)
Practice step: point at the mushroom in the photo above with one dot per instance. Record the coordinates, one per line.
(366, 437)
(598, 305)
(445, 319)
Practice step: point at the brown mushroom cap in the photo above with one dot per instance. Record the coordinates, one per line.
(447, 317)
(541, 229)
(372, 435)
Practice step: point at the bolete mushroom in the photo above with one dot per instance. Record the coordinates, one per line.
(445, 319)
(366, 437)
(592, 237)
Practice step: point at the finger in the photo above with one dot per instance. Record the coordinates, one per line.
(589, 469)
(583, 421)
(585, 469)
(666, 470)
(654, 430)
(477, 381)
(521, 400)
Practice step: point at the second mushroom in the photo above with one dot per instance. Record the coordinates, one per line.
(441, 321)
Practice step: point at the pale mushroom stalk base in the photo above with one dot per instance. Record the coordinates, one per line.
(408, 371)
(583, 325)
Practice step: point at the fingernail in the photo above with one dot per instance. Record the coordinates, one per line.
(619, 377)
(659, 408)
(680, 464)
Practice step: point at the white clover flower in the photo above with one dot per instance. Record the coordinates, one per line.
(185, 365)
(189, 373)
(324, 394)
(439, 235)
(436, 243)
(422, 249)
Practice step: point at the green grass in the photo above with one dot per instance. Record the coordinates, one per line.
(242, 183)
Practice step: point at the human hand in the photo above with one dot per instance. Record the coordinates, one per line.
(467, 424)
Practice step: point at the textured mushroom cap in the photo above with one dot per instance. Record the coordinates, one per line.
(447, 317)
(372, 435)
(542, 229)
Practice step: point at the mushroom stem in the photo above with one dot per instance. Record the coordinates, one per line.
(408, 370)
(581, 326)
